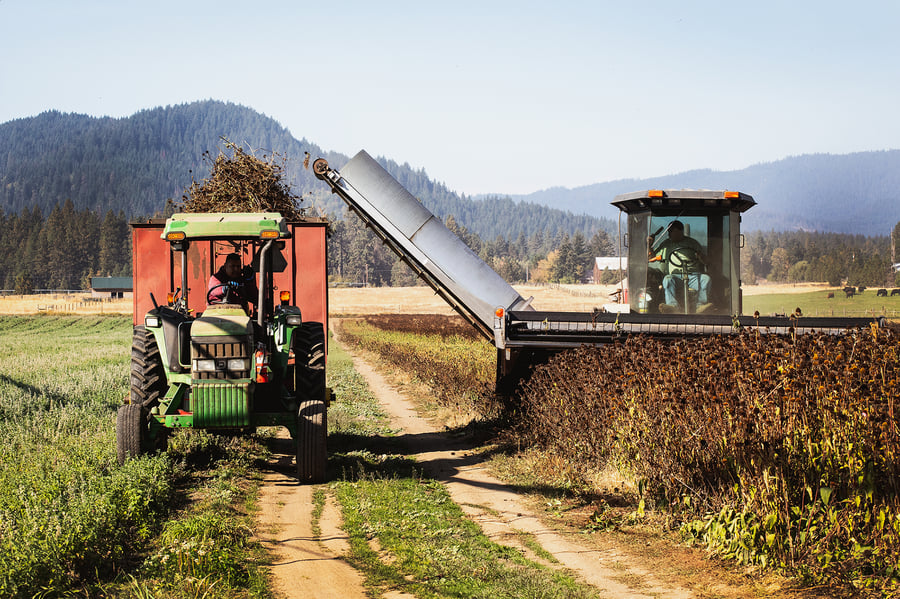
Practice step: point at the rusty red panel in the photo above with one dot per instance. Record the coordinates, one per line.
(151, 266)
(305, 276)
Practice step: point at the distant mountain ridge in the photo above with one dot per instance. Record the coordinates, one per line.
(855, 193)
(134, 164)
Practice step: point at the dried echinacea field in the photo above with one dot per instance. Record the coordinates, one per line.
(776, 450)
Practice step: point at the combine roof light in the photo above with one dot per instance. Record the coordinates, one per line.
(655, 193)
(269, 234)
(732, 194)
(174, 235)
(499, 312)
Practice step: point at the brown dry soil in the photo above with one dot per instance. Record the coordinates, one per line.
(634, 563)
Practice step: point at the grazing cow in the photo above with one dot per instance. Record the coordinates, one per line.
(881, 293)
(895, 292)
(850, 291)
(861, 288)
(830, 295)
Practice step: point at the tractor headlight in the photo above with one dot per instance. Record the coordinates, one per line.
(151, 321)
(237, 364)
(204, 365)
(293, 319)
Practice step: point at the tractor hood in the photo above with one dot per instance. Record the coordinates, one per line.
(222, 322)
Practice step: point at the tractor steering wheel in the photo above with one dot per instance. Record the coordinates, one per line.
(684, 259)
(226, 296)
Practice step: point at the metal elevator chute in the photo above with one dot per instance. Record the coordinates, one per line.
(422, 241)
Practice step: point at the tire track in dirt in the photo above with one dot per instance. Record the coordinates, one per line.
(306, 565)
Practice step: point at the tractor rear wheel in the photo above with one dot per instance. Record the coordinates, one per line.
(148, 378)
(309, 387)
(312, 432)
(131, 432)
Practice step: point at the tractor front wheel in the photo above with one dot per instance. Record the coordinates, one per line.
(131, 432)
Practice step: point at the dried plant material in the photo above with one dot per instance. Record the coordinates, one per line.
(241, 182)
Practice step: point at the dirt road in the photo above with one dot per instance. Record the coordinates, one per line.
(308, 562)
(310, 565)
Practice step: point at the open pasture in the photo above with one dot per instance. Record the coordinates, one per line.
(818, 303)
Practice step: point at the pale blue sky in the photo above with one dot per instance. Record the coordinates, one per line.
(507, 97)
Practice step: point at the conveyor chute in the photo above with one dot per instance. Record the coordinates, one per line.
(421, 240)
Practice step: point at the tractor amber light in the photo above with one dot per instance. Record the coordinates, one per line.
(174, 235)
(498, 312)
(170, 298)
(269, 234)
(732, 194)
(655, 193)
(285, 297)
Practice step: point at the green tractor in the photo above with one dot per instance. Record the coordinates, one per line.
(226, 364)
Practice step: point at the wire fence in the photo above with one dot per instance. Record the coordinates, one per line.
(63, 301)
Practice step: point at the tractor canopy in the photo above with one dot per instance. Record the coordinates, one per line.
(258, 225)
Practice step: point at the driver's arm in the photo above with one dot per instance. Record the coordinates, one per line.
(249, 290)
(701, 255)
(216, 294)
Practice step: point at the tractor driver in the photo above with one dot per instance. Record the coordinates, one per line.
(683, 259)
(231, 282)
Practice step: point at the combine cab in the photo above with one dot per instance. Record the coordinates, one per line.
(218, 358)
(668, 273)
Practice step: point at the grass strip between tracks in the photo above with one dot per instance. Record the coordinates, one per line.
(405, 531)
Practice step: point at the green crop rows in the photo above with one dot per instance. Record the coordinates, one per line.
(72, 521)
(66, 508)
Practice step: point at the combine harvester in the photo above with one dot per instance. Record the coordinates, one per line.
(524, 336)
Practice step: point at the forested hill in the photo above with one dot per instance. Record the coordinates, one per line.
(133, 165)
(852, 193)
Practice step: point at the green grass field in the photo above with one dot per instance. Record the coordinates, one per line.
(817, 303)
(75, 523)
(66, 507)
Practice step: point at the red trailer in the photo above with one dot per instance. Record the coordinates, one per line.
(305, 276)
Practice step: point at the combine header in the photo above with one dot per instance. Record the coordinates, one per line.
(683, 270)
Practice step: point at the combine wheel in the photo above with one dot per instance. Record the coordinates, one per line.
(309, 387)
(131, 432)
